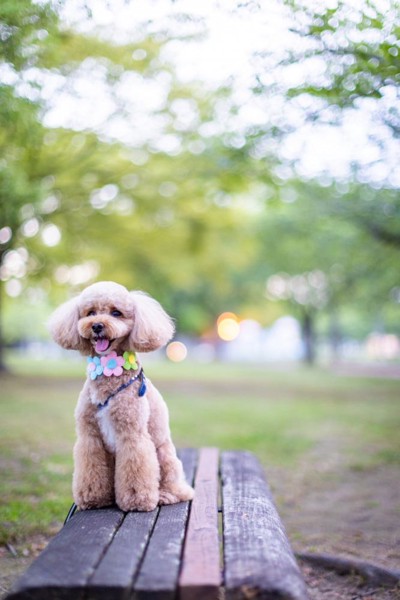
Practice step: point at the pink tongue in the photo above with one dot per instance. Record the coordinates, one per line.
(102, 345)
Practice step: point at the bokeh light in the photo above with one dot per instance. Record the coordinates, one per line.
(51, 235)
(176, 351)
(228, 327)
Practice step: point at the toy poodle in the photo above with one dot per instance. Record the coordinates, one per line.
(124, 452)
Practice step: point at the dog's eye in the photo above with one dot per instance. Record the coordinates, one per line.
(116, 313)
(91, 313)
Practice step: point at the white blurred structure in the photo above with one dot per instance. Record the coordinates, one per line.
(280, 342)
(380, 346)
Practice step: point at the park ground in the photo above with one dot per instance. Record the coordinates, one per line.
(329, 444)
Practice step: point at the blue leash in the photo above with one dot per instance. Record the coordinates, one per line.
(71, 513)
(142, 388)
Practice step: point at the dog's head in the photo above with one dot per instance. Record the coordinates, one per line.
(106, 317)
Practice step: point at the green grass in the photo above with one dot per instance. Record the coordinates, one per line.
(283, 416)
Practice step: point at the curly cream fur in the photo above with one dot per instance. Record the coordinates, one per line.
(124, 452)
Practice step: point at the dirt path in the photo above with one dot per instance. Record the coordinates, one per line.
(14, 560)
(324, 585)
(351, 513)
(355, 515)
(330, 508)
(378, 369)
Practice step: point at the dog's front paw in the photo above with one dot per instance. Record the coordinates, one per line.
(86, 499)
(176, 493)
(143, 502)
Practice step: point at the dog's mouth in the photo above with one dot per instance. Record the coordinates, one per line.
(101, 344)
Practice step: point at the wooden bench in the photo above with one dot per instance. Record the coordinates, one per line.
(229, 542)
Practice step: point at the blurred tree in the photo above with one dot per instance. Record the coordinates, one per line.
(23, 25)
(320, 261)
(358, 46)
(348, 229)
(37, 49)
(163, 226)
(350, 68)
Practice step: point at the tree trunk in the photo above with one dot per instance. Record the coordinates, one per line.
(335, 336)
(308, 334)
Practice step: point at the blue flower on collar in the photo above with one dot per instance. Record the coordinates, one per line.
(95, 367)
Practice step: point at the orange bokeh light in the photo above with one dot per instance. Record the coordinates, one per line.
(176, 351)
(228, 327)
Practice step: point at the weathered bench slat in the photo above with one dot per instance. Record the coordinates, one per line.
(116, 571)
(62, 570)
(159, 571)
(259, 562)
(201, 572)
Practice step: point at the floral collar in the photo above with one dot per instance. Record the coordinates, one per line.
(111, 364)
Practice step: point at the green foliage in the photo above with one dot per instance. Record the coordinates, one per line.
(347, 230)
(161, 227)
(360, 50)
(25, 27)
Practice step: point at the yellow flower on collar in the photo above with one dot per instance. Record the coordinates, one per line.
(130, 361)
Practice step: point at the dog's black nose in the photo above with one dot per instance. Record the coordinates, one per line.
(97, 327)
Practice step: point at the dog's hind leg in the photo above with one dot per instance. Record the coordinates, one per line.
(173, 487)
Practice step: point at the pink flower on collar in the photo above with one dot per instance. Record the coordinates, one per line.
(112, 364)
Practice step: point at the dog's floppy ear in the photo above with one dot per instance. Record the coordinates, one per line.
(63, 325)
(152, 327)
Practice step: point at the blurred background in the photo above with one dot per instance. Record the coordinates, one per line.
(224, 157)
(238, 160)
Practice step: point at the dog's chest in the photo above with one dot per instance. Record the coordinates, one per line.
(103, 417)
(107, 429)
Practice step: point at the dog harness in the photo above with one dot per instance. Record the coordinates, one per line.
(142, 389)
